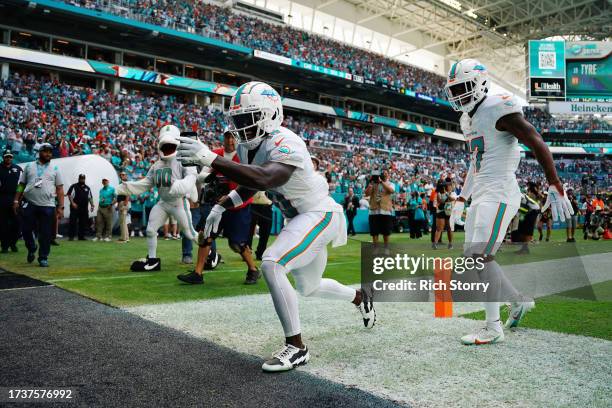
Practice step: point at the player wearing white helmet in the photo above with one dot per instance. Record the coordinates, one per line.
(174, 182)
(493, 126)
(276, 160)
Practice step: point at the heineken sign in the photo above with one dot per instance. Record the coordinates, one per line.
(580, 108)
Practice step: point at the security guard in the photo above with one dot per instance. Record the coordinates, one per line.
(9, 222)
(40, 185)
(79, 195)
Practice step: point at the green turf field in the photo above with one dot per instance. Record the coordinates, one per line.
(101, 271)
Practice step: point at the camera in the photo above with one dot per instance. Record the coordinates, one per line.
(375, 177)
(214, 189)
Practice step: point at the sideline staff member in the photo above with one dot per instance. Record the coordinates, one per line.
(9, 222)
(40, 184)
(79, 195)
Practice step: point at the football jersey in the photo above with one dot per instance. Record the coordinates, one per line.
(165, 172)
(495, 155)
(306, 190)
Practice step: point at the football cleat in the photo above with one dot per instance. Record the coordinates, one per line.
(43, 263)
(517, 311)
(366, 308)
(251, 277)
(192, 278)
(483, 336)
(146, 265)
(213, 261)
(31, 256)
(286, 359)
(187, 260)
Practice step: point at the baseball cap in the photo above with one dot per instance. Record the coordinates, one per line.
(7, 153)
(45, 146)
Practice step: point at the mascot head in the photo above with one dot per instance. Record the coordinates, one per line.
(168, 142)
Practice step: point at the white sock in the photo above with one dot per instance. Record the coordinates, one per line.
(492, 315)
(152, 245)
(283, 296)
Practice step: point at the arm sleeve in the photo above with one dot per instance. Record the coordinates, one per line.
(23, 177)
(135, 187)
(186, 184)
(58, 178)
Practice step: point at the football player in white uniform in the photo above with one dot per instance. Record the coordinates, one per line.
(276, 160)
(493, 125)
(174, 183)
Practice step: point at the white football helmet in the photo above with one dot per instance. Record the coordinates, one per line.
(168, 141)
(466, 85)
(255, 110)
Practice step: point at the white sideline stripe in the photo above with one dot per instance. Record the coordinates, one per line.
(26, 287)
(137, 275)
(81, 278)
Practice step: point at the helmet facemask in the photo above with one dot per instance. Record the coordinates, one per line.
(250, 127)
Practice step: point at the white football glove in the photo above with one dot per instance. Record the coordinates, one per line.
(192, 151)
(559, 204)
(213, 220)
(456, 213)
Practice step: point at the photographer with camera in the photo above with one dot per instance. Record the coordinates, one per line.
(380, 190)
(235, 222)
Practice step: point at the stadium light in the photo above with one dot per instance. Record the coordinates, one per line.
(470, 13)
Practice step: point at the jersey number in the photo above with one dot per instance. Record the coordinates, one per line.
(163, 177)
(477, 145)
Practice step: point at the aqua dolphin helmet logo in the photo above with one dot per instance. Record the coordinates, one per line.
(576, 49)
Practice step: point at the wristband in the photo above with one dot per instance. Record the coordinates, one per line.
(235, 197)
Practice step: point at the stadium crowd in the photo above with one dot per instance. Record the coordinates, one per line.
(545, 122)
(223, 23)
(123, 130)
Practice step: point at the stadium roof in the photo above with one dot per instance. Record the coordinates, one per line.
(494, 31)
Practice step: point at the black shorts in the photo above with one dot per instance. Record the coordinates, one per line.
(442, 215)
(380, 224)
(236, 225)
(527, 224)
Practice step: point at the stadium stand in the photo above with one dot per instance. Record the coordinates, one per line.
(123, 129)
(545, 122)
(223, 23)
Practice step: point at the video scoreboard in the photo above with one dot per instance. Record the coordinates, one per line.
(570, 71)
